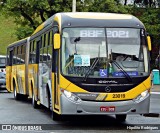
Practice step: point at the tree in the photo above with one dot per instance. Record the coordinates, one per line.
(147, 3)
(107, 6)
(150, 16)
(29, 14)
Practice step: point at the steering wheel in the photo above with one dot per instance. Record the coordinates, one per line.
(125, 58)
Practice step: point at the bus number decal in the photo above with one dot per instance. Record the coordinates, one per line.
(118, 96)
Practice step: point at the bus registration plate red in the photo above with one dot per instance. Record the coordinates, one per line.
(107, 108)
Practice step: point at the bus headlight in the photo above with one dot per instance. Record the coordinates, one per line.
(72, 97)
(141, 97)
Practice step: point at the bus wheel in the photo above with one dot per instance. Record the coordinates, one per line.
(49, 102)
(34, 102)
(55, 116)
(121, 117)
(16, 95)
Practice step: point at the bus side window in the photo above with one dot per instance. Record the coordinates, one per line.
(49, 48)
(34, 52)
(50, 38)
(18, 54)
(46, 39)
(30, 52)
(41, 48)
(45, 56)
(14, 59)
(23, 52)
(7, 58)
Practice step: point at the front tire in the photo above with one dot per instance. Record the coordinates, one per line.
(121, 117)
(55, 116)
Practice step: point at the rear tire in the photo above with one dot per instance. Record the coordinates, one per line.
(16, 95)
(121, 117)
(34, 102)
(49, 100)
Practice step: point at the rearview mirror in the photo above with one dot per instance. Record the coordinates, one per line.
(56, 41)
(149, 43)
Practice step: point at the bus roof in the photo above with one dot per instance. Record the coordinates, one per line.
(83, 19)
(18, 42)
(92, 19)
(97, 15)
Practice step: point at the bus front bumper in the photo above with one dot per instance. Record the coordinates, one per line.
(69, 107)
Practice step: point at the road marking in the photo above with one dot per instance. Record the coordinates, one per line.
(155, 92)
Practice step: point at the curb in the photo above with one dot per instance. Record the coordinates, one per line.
(151, 115)
(155, 92)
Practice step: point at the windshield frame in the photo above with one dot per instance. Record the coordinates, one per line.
(142, 43)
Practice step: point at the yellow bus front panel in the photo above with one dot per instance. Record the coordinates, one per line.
(133, 101)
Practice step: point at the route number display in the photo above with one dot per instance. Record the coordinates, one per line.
(100, 33)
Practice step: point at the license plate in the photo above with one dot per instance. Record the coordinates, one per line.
(107, 108)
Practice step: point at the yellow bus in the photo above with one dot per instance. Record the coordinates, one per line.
(17, 68)
(84, 64)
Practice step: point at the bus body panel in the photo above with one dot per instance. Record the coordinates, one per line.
(14, 82)
(8, 78)
(32, 80)
(20, 77)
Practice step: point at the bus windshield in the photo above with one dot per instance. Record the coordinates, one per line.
(93, 50)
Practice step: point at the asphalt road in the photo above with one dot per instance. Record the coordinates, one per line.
(22, 113)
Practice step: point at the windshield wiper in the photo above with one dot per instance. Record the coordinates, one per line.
(96, 60)
(91, 68)
(122, 70)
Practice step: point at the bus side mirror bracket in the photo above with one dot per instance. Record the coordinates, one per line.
(149, 43)
(56, 41)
